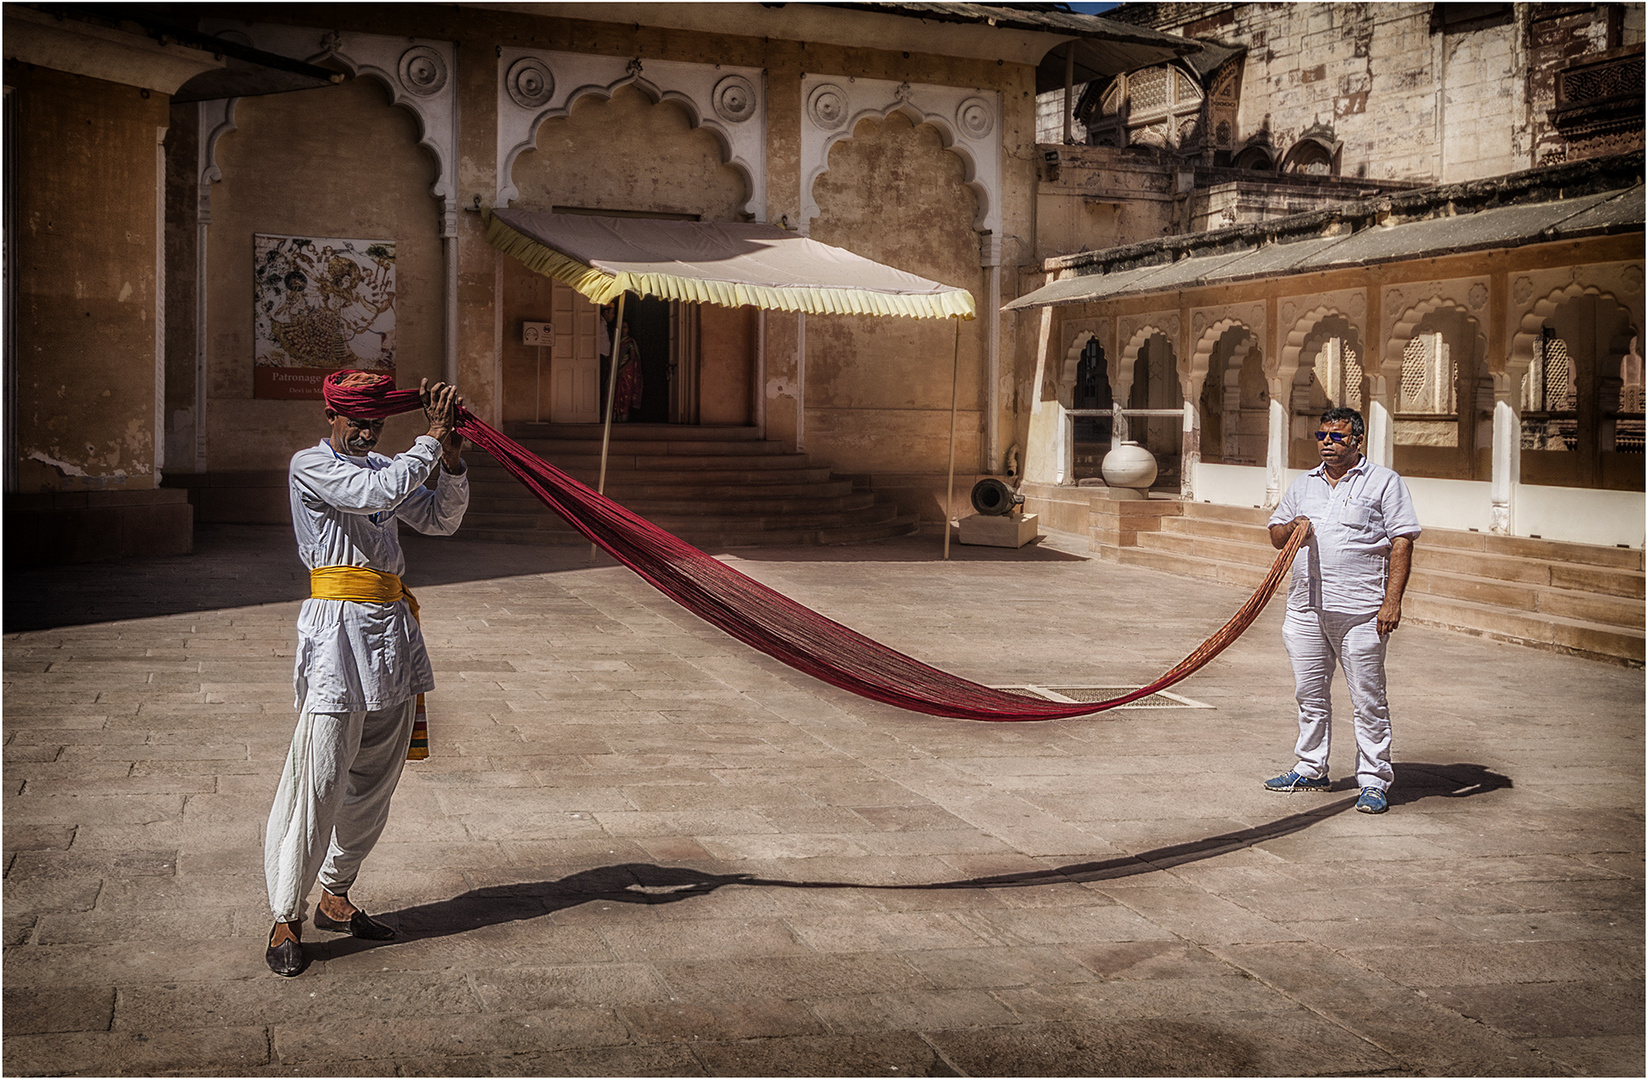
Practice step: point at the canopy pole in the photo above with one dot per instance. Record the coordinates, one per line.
(950, 488)
(617, 337)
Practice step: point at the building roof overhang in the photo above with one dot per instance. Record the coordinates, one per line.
(1019, 34)
(1564, 202)
(137, 45)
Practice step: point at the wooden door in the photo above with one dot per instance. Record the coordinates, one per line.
(575, 367)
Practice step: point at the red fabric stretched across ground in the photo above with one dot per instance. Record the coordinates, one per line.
(758, 616)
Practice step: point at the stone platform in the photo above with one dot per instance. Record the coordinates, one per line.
(641, 848)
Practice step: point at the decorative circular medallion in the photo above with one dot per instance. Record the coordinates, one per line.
(423, 72)
(734, 99)
(827, 105)
(1522, 289)
(975, 118)
(529, 83)
(1477, 296)
(1631, 274)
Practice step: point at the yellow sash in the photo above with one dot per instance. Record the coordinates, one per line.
(367, 586)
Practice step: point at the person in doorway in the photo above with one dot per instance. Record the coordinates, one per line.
(1344, 601)
(361, 664)
(627, 394)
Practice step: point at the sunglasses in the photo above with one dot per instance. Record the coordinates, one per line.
(1334, 436)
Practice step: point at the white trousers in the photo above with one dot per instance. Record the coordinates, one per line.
(1315, 641)
(332, 802)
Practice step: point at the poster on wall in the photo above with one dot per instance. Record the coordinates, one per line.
(319, 304)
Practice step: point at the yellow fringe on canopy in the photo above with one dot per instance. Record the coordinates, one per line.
(601, 287)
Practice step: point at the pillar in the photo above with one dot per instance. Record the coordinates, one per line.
(1276, 440)
(1381, 430)
(1507, 454)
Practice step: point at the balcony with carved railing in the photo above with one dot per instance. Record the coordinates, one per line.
(1599, 103)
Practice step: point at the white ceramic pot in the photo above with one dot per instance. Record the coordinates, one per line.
(1129, 465)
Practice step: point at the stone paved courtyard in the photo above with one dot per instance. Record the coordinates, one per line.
(641, 848)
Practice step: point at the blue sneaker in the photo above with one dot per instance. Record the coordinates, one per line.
(1373, 801)
(1292, 781)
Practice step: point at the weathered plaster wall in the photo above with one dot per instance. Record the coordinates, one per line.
(629, 154)
(182, 195)
(483, 325)
(878, 390)
(338, 161)
(726, 365)
(86, 249)
(1100, 196)
(1408, 101)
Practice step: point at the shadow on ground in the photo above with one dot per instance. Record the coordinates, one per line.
(649, 883)
(237, 566)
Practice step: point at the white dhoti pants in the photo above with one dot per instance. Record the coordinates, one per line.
(333, 801)
(1314, 641)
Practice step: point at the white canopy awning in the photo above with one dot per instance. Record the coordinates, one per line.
(716, 263)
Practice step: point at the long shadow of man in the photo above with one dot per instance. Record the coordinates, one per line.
(649, 883)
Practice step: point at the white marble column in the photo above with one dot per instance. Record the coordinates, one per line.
(1507, 453)
(1276, 441)
(1381, 442)
(1190, 451)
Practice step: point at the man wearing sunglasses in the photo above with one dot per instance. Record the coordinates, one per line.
(1344, 601)
(361, 662)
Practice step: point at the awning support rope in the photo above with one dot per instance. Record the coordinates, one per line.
(773, 623)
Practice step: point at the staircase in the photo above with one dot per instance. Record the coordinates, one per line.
(715, 487)
(1574, 598)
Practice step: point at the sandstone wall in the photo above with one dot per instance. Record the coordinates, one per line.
(334, 162)
(87, 281)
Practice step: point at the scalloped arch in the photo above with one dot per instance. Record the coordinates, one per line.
(1406, 323)
(442, 188)
(1300, 334)
(654, 93)
(948, 141)
(1532, 325)
(1202, 355)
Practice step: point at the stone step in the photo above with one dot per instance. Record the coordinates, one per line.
(519, 502)
(568, 455)
(708, 535)
(723, 477)
(628, 432)
(682, 523)
(1524, 547)
(1212, 512)
(1565, 634)
(1211, 548)
(1217, 528)
(1581, 568)
(1172, 562)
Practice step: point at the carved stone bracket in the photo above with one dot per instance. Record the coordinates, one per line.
(420, 75)
(535, 85)
(968, 122)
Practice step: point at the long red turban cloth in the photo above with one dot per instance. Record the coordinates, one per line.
(751, 612)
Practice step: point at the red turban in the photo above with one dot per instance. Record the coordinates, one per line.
(346, 391)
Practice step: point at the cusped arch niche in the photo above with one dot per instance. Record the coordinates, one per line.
(922, 224)
(726, 105)
(630, 150)
(967, 122)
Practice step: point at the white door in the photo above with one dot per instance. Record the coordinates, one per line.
(575, 369)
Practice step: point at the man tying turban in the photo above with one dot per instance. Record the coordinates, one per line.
(361, 664)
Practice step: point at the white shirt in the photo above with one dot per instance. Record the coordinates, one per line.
(353, 656)
(1344, 565)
